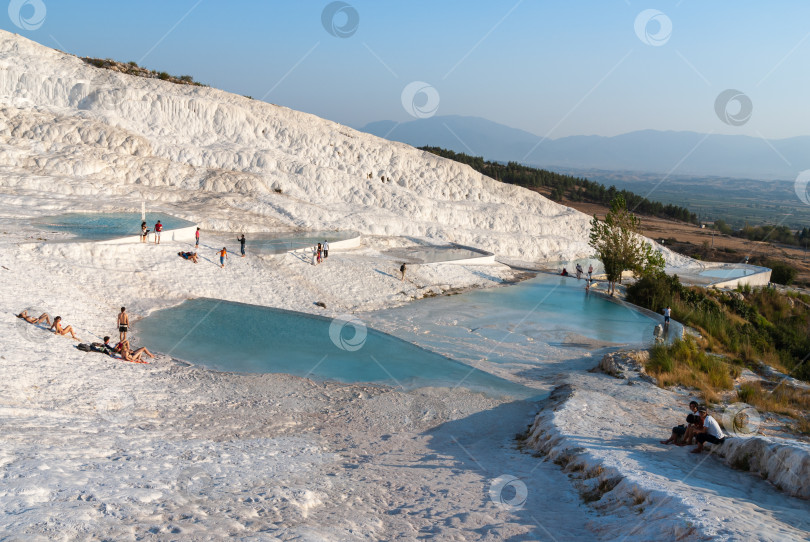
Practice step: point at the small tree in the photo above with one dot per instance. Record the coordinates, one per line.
(620, 247)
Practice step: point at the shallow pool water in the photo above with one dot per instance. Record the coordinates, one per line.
(106, 226)
(434, 254)
(536, 321)
(728, 272)
(281, 242)
(246, 338)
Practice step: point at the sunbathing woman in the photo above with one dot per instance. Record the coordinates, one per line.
(129, 355)
(32, 320)
(57, 328)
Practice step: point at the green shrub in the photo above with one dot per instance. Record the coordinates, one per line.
(782, 273)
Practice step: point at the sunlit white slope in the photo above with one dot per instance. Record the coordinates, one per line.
(85, 134)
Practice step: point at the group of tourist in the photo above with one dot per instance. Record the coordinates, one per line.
(565, 272)
(55, 326)
(320, 252)
(145, 232)
(122, 349)
(700, 427)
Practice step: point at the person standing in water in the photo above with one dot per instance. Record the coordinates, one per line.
(223, 255)
(123, 323)
(325, 249)
(579, 271)
(242, 244)
(197, 238)
(667, 315)
(320, 253)
(590, 272)
(158, 229)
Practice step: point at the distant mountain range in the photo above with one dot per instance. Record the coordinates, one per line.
(687, 153)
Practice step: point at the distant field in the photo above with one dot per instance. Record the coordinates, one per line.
(704, 244)
(736, 201)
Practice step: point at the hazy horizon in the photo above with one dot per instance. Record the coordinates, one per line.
(552, 70)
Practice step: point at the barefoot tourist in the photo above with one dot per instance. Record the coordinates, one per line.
(31, 320)
(123, 324)
(710, 432)
(158, 229)
(57, 328)
(223, 255)
(680, 431)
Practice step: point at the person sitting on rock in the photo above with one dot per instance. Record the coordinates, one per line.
(680, 431)
(710, 432)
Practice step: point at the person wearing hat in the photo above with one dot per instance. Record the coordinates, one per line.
(710, 432)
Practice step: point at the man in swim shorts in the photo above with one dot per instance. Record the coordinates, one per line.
(158, 229)
(123, 323)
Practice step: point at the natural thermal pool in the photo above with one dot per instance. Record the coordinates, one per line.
(279, 243)
(526, 323)
(106, 226)
(246, 338)
(434, 254)
(728, 272)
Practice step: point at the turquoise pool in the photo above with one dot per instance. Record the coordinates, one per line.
(106, 226)
(728, 272)
(279, 243)
(245, 338)
(539, 320)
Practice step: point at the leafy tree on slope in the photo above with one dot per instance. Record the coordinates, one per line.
(620, 246)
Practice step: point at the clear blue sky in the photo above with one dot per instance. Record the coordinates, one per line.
(551, 68)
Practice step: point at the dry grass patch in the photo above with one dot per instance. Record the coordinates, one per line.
(685, 363)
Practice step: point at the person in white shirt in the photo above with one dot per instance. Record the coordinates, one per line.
(710, 432)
